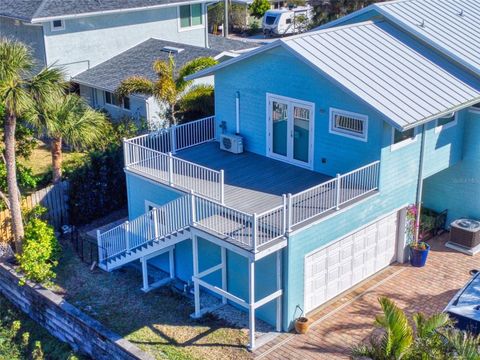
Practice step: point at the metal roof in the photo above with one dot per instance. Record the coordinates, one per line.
(42, 10)
(386, 68)
(450, 26)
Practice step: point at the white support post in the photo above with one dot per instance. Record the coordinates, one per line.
(196, 286)
(251, 301)
(155, 224)
(170, 169)
(285, 217)
(144, 274)
(171, 260)
(289, 213)
(126, 156)
(174, 139)
(100, 247)
(254, 231)
(278, 322)
(193, 210)
(222, 187)
(338, 183)
(127, 237)
(224, 273)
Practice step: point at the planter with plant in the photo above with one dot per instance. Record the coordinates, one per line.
(418, 249)
(302, 323)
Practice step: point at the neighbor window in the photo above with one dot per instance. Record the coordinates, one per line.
(58, 25)
(446, 122)
(115, 100)
(348, 124)
(402, 138)
(190, 15)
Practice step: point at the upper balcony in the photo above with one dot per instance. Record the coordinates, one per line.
(264, 197)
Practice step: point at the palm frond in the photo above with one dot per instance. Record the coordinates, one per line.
(15, 60)
(465, 346)
(198, 99)
(164, 69)
(48, 83)
(427, 326)
(135, 85)
(192, 67)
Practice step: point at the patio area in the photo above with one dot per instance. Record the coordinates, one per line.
(348, 319)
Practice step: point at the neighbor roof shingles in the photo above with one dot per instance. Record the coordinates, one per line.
(37, 9)
(138, 61)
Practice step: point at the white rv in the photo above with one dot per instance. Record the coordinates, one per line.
(280, 22)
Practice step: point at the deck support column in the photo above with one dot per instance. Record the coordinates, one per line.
(251, 301)
(143, 260)
(278, 321)
(171, 263)
(196, 286)
(224, 273)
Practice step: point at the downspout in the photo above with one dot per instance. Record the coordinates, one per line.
(237, 112)
(420, 184)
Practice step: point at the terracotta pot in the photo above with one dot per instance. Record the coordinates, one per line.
(302, 324)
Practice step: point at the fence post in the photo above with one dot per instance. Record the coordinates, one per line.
(174, 139)
(289, 213)
(100, 247)
(155, 223)
(254, 231)
(126, 156)
(193, 209)
(285, 217)
(222, 187)
(127, 237)
(338, 183)
(170, 169)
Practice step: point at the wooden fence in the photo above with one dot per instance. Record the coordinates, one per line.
(53, 197)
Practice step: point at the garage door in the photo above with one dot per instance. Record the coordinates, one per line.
(337, 267)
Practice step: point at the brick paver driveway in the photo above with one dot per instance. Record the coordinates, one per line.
(348, 320)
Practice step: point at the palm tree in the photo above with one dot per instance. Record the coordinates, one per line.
(20, 91)
(397, 339)
(171, 86)
(69, 120)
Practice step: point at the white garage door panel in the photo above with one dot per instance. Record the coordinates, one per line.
(337, 267)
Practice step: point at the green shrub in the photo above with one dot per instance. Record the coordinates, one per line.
(40, 251)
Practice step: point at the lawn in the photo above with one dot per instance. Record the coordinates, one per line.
(158, 322)
(18, 335)
(40, 160)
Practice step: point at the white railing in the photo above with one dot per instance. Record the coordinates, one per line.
(332, 194)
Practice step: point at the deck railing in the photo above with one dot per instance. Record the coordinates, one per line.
(331, 195)
(152, 155)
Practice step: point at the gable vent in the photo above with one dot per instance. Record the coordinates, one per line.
(172, 49)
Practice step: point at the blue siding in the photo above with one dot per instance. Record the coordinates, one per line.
(458, 188)
(252, 78)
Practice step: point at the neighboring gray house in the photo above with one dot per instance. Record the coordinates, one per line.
(99, 83)
(79, 35)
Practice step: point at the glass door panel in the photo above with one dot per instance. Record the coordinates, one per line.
(279, 128)
(301, 133)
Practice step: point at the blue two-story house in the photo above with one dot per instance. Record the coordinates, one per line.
(297, 189)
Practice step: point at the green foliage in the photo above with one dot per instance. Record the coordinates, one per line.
(258, 8)
(41, 250)
(254, 28)
(21, 338)
(433, 338)
(199, 102)
(26, 180)
(325, 11)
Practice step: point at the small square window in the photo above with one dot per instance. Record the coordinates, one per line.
(116, 100)
(403, 138)
(446, 122)
(349, 124)
(191, 15)
(476, 106)
(58, 25)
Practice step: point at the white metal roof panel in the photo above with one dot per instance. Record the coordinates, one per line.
(452, 26)
(388, 69)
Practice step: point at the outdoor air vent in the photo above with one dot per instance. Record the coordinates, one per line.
(231, 143)
(172, 49)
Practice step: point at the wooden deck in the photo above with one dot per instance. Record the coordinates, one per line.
(253, 183)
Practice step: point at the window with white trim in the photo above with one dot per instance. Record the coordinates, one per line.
(190, 15)
(403, 138)
(446, 122)
(349, 124)
(118, 101)
(57, 25)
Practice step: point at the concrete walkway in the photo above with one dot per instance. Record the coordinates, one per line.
(348, 319)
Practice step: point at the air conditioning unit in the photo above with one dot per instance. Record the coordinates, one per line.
(231, 143)
(465, 232)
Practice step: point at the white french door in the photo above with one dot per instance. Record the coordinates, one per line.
(290, 125)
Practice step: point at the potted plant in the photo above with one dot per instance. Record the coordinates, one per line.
(418, 249)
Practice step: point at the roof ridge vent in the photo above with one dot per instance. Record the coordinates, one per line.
(172, 49)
